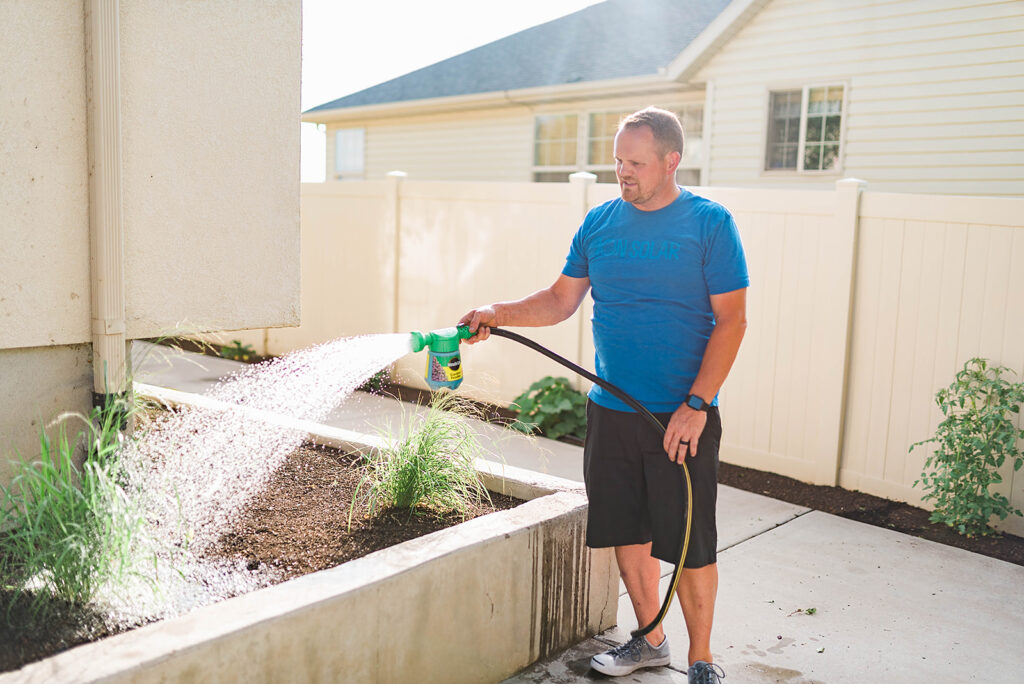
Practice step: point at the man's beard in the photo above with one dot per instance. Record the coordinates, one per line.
(630, 193)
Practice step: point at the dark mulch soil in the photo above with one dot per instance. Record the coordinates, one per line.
(300, 523)
(25, 637)
(869, 509)
(297, 525)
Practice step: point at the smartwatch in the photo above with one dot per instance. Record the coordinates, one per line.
(696, 403)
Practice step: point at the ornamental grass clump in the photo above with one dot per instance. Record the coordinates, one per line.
(974, 440)
(432, 469)
(67, 530)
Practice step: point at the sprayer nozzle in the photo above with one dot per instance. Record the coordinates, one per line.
(442, 339)
(419, 340)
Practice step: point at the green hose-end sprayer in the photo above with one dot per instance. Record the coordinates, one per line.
(444, 363)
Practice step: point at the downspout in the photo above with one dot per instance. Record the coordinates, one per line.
(106, 216)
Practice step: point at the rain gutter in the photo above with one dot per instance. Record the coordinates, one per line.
(106, 215)
(562, 92)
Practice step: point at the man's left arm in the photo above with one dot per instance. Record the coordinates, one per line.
(687, 424)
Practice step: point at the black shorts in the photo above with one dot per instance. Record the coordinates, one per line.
(637, 495)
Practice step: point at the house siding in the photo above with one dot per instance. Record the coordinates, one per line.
(462, 146)
(934, 99)
(484, 145)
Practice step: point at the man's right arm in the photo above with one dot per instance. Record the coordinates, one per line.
(551, 305)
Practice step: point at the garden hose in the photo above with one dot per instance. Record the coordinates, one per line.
(654, 421)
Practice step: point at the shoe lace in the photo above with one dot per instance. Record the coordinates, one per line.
(703, 672)
(631, 649)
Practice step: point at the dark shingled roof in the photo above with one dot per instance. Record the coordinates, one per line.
(613, 39)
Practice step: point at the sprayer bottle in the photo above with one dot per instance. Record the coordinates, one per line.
(444, 362)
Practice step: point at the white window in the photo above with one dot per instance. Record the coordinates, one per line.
(349, 153)
(805, 129)
(555, 144)
(566, 143)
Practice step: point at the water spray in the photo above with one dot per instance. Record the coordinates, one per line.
(444, 369)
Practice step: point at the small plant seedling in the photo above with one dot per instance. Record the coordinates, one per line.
(805, 611)
(236, 351)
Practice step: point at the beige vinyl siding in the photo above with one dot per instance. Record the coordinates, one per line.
(466, 146)
(485, 145)
(934, 101)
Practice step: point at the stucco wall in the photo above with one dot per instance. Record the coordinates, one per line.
(36, 385)
(209, 105)
(44, 187)
(211, 163)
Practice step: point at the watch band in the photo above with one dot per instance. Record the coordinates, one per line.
(696, 403)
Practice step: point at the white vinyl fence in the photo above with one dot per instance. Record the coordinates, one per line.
(862, 305)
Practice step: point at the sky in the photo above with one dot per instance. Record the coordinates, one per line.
(348, 46)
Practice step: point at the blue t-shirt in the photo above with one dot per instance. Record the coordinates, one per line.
(651, 274)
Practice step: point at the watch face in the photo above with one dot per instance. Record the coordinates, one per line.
(695, 402)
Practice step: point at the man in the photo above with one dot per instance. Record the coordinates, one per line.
(668, 277)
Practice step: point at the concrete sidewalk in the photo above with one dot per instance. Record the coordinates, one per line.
(888, 607)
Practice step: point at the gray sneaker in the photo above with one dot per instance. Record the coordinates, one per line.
(704, 673)
(630, 656)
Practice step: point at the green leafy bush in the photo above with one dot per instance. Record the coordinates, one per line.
(973, 441)
(236, 351)
(66, 530)
(378, 382)
(553, 407)
(433, 467)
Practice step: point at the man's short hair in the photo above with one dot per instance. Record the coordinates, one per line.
(668, 132)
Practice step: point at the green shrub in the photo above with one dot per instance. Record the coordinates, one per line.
(973, 441)
(552, 406)
(65, 530)
(378, 382)
(433, 467)
(236, 351)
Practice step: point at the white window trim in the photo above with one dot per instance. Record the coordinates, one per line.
(580, 140)
(583, 139)
(805, 90)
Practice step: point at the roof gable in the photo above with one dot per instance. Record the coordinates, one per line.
(613, 39)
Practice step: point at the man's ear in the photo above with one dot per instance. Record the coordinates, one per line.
(672, 159)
